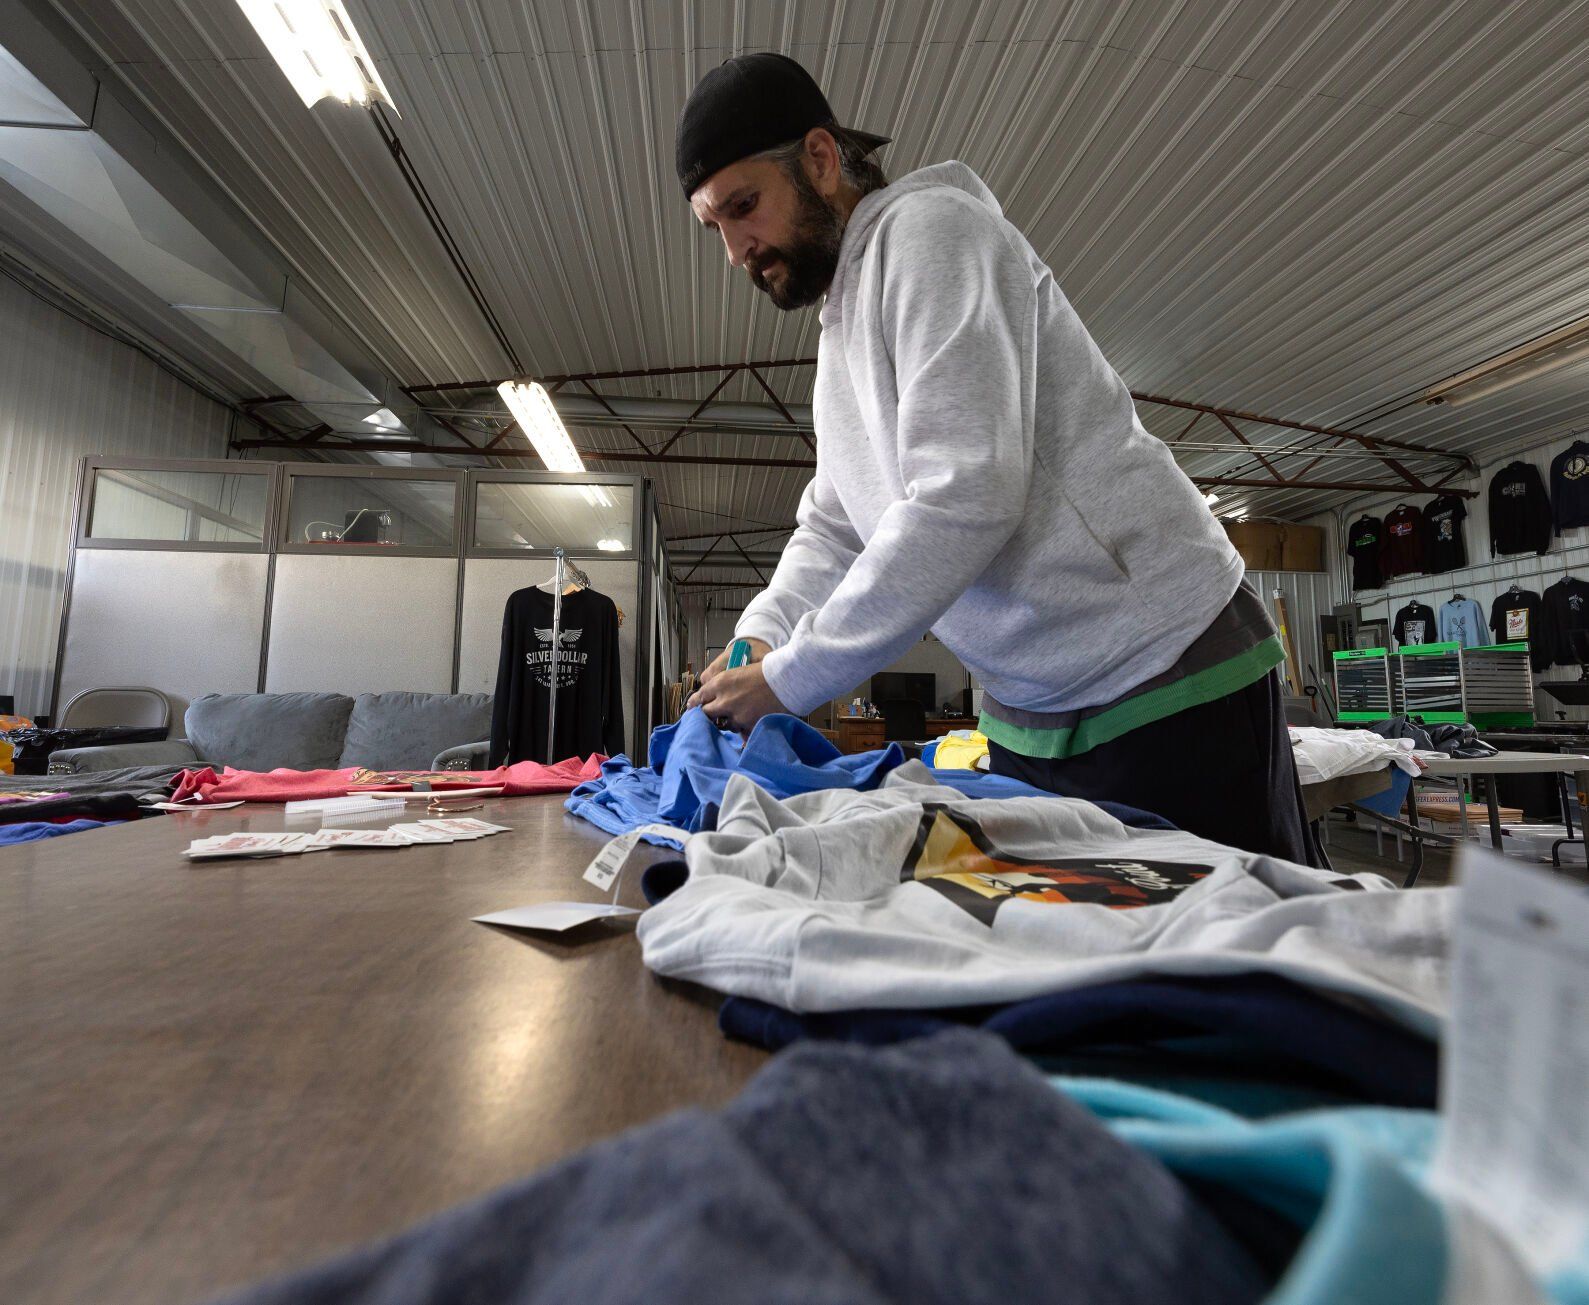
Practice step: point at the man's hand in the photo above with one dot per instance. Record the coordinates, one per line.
(758, 650)
(736, 700)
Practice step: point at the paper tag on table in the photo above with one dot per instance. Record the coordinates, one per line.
(1514, 1082)
(248, 845)
(464, 827)
(192, 806)
(555, 917)
(608, 862)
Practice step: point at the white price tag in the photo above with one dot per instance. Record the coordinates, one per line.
(608, 863)
(555, 917)
(1514, 1090)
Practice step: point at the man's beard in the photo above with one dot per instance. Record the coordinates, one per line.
(810, 258)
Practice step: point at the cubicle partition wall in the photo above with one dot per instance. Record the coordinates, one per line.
(200, 577)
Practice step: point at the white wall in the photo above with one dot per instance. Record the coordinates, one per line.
(1485, 578)
(67, 390)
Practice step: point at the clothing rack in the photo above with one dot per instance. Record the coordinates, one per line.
(566, 570)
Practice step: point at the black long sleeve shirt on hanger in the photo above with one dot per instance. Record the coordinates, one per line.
(1565, 608)
(1444, 547)
(1363, 539)
(1401, 550)
(1569, 487)
(589, 677)
(1414, 624)
(1515, 616)
(1519, 511)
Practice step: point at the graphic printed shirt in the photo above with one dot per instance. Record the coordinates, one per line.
(1519, 511)
(1462, 621)
(586, 668)
(1363, 540)
(1569, 487)
(1444, 547)
(1566, 609)
(1414, 624)
(913, 896)
(1515, 618)
(1402, 551)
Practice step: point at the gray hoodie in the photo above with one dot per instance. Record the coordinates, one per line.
(981, 472)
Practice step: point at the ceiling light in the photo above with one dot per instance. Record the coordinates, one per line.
(1559, 348)
(532, 408)
(610, 545)
(316, 45)
(596, 496)
(1211, 498)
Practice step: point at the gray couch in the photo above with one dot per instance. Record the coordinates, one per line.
(310, 731)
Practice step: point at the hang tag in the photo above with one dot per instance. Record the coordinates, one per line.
(605, 867)
(555, 917)
(1515, 1136)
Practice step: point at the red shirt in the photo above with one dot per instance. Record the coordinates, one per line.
(1401, 548)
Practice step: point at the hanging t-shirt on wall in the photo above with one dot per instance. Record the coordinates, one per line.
(1363, 540)
(1514, 618)
(1414, 624)
(1565, 609)
(1519, 511)
(1444, 547)
(586, 668)
(1402, 551)
(1569, 487)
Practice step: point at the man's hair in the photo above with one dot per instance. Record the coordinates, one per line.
(858, 167)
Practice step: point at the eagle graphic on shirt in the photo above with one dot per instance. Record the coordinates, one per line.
(568, 660)
(953, 855)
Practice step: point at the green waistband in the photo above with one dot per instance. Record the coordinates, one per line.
(1194, 690)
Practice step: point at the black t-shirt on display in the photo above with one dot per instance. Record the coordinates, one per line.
(1519, 511)
(1402, 550)
(1515, 617)
(587, 668)
(1415, 624)
(1363, 540)
(1444, 547)
(1569, 487)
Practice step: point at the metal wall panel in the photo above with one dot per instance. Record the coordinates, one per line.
(362, 624)
(184, 623)
(487, 583)
(66, 390)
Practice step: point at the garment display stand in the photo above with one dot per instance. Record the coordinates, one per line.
(565, 571)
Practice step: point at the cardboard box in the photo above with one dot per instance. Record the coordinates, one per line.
(1303, 549)
(1267, 545)
(1260, 543)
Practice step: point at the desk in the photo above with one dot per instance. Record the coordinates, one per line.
(1512, 763)
(218, 1071)
(860, 734)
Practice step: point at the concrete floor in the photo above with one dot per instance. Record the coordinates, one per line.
(1351, 848)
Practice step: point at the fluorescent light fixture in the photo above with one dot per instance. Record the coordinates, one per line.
(316, 45)
(610, 545)
(532, 408)
(1211, 498)
(1548, 353)
(596, 496)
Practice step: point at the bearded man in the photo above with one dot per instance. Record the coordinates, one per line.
(981, 473)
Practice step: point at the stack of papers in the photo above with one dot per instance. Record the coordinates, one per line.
(451, 830)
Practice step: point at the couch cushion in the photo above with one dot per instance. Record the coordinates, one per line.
(405, 731)
(261, 731)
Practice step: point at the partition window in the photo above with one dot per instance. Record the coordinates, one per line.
(538, 516)
(373, 514)
(143, 504)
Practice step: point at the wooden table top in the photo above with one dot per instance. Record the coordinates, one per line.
(217, 1071)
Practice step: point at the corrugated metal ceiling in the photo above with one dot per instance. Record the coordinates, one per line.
(1308, 209)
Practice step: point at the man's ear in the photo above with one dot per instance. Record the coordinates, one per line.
(821, 162)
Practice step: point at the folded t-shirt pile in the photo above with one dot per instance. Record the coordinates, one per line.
(693, 761)
(518, 780)
(915, 896)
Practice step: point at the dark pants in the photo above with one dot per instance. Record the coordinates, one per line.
(1223, 771)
